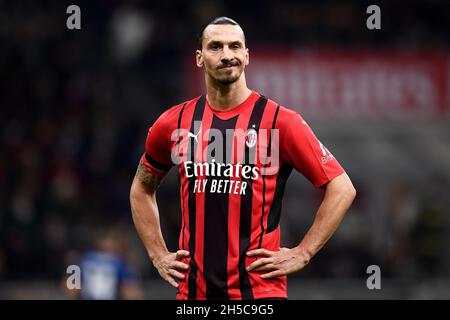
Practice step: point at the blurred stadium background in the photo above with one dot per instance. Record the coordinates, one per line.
(75, 107)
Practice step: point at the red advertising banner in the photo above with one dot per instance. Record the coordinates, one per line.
(348, 84)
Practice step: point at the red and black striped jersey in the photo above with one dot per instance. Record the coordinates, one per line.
(233, 166)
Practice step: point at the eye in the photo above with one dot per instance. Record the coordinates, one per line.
(214, 46)
(236, 46)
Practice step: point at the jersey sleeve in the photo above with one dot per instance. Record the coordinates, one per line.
(301, 149)
(157, 155)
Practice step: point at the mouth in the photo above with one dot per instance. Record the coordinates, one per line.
(228, 67)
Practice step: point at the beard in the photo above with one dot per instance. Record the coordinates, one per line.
(227, 78)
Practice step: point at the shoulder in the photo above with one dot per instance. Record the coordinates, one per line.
(284, 115)
(170, 116)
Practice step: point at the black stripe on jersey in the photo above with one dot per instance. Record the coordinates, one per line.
(273, 127)
(269, 152)
(192, 277)
(245, 225)
(273, 218)
(216, 221)
(180, 116)
(157, 165)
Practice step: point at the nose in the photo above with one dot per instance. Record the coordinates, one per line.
(227, 55)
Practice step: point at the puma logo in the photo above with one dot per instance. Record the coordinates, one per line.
(195, 136)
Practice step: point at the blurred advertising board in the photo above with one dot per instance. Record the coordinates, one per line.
(349, 84)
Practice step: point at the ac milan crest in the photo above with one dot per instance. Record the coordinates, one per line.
(250, 138)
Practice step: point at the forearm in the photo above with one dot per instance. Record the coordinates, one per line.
(146, 219)
(337, 200)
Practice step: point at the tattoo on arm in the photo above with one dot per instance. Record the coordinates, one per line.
(149, 180)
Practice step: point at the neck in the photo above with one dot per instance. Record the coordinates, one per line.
(224, 97)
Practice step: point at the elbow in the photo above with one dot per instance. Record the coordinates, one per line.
(135, 193)
(343, 187)
(132, 196)
(352, 192)
(138, 192)
(349, 191)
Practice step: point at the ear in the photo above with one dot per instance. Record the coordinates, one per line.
(247, 57)
(199, 58)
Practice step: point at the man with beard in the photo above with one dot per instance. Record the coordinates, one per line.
(229, 245)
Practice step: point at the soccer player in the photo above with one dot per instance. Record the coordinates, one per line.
(106, 275)
(231, 195)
